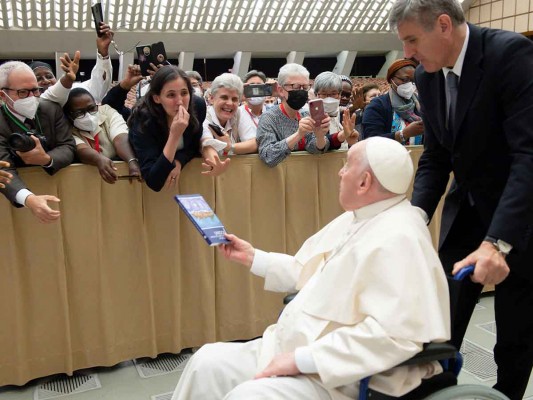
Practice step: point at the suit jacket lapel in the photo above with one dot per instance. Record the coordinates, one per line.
(470, 77)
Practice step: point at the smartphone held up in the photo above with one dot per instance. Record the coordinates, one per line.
(98, 17)
(258, 90)
(316, 110)
(151, 54)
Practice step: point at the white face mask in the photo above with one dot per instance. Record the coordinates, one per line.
(406, 90)
(331, 106)
(88, 123)
(255, 101)
(26, 107)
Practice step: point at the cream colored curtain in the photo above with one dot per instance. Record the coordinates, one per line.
(124, 274)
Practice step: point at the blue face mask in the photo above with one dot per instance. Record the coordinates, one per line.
(269, 106)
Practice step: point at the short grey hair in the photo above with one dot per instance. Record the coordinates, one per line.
(291, 70)
(195, 75)
(228, 81)
(327, 81)
(253, 73)
(8, 67)
(425, 12)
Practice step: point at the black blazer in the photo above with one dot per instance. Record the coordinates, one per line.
(59, 140)
(491, 150)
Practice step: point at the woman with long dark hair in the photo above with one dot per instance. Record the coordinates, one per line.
(165, 127)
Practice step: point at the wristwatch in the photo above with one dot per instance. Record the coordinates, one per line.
(502, 247)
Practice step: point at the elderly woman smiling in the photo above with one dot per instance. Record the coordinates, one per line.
(223, 129)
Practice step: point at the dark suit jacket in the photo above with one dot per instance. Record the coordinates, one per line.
(149, 143)
(58, 137)
(491, 150)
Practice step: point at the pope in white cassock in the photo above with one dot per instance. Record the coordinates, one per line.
(372, 291)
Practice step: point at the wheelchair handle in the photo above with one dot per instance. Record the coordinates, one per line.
(464, 272)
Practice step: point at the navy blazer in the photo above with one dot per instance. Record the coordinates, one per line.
(491, 150)
(377, 117)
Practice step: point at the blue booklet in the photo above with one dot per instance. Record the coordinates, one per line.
(203, 218)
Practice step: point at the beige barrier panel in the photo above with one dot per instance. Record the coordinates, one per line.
(124, 274)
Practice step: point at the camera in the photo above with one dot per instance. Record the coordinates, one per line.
(24, 142)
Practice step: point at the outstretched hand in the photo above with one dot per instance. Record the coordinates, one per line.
(215, 166)
(238, 250)
(70, 66)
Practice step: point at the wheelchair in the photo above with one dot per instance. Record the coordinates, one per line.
(442, 386)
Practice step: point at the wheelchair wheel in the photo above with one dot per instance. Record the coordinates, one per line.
(464, 392)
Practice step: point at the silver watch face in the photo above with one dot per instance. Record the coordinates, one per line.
(504, 247)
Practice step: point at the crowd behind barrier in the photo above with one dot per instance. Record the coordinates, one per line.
(124, 274)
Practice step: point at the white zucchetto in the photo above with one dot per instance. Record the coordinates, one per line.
(391, 164)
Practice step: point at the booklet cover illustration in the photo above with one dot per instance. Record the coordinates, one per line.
(203, 218)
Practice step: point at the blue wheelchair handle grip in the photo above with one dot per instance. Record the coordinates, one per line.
(463, 273)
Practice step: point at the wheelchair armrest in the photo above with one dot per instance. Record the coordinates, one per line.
(287, 299)
(432, 352)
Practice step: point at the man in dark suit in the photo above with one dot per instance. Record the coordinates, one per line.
(476, 91)
(22, 112)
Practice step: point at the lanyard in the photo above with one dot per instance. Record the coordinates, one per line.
(97, 143)
(301, 142)
(282, 108)
(20, 124)
(252, 116)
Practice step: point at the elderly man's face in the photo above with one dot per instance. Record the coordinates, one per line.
(350, 177)
(427, 47)
(19, 80)
(294, 82)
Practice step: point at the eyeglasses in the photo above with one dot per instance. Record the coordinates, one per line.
(23, 93)
(346, 94)
(323, 95)
(81, 113)
(295, 86)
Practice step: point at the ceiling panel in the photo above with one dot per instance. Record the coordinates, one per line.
(201, 15)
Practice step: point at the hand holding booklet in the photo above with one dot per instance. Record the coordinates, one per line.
(203, 218)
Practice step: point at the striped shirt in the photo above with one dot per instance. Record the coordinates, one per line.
(274, 127)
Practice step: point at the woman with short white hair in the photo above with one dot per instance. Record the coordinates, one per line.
(221, 134)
